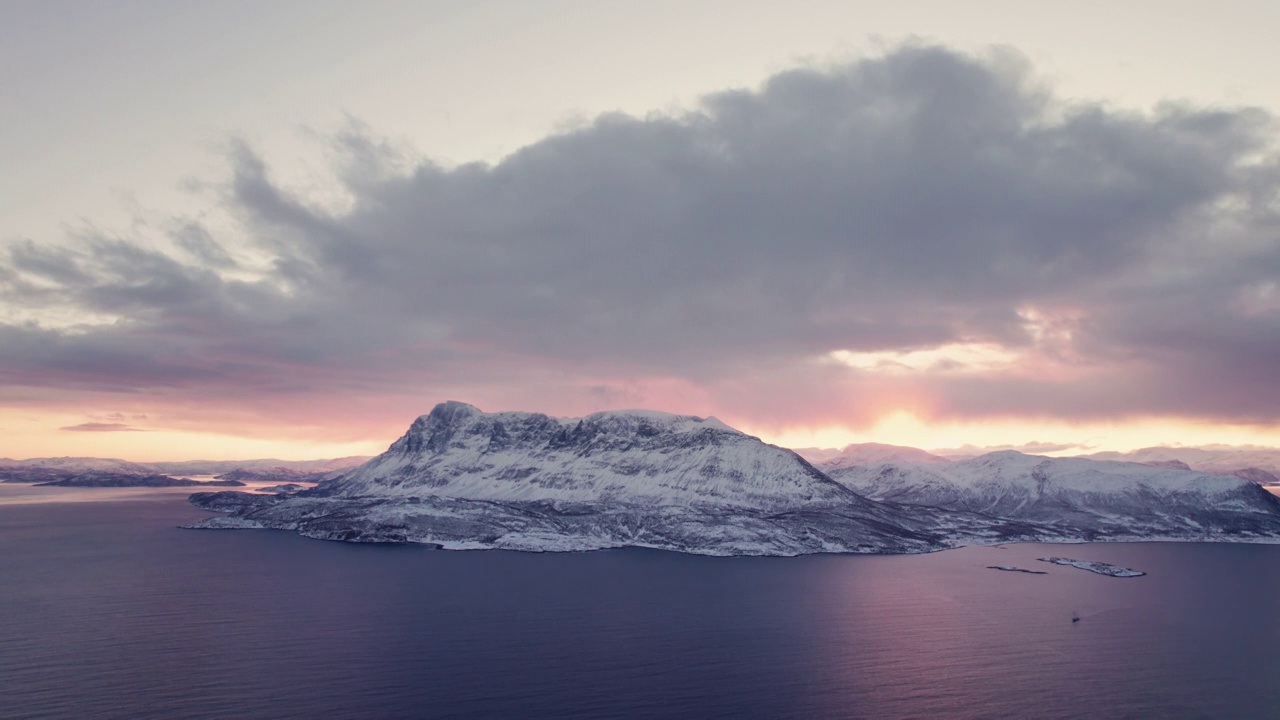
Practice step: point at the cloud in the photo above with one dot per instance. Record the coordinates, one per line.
(101, 427)
(116, 417)
(968, 242)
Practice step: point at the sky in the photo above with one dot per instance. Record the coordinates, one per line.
(233, 229)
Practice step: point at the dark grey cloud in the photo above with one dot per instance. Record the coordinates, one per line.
(909, 201)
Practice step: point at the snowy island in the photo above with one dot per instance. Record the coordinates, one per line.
(1011, 568)
(285, 489)
(1095, 567)
(123, 480)
(464, 479)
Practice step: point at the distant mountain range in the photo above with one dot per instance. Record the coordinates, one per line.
(464, 479)
(868, 454)
(96, 472)
(461, 478)
(1076, 498)
(1259, 465)
(1241, 463)
(104, 479)
(218, 467)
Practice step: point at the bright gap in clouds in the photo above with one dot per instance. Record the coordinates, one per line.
(954, 357)
(1050, 332)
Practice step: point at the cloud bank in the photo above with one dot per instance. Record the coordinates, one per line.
(925, 230)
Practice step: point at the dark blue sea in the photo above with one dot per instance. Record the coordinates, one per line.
(108, 610)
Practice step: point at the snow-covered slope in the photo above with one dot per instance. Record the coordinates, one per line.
(614, 457)
(272, 474)
(44, 470)
(61, 468)
(84, 464)
(1228, 462)
(1216, 461)
(1079, 496)
(463, 478)
(1258, 475)
(219, 467)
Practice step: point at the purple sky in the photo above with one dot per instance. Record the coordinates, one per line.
(923, 231)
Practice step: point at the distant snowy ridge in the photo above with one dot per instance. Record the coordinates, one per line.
(868, 454)
(1216, 461)
(52, 469)
(1078, 496)
(272, 474)
(83, 464)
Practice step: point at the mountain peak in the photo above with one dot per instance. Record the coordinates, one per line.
(625, 456)
(869, 454)
(1003, 456)
(450, 410)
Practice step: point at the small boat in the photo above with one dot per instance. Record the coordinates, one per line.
(1075, 617)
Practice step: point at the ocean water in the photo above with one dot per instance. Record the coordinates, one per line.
(108, 610)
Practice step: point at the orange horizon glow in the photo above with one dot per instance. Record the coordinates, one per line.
(38, 435)
(907, 429)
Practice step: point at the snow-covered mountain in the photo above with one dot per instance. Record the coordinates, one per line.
(272, 474)
(1079, 497)
(868, 454)
(615, 457)
(47, 470)
(85, 464)
(219, 467)
(63, 468)
(1217, 461)
(1258, 475)
(106, 478)
(462, 478)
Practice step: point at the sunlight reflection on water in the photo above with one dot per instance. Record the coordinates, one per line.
(105, 602)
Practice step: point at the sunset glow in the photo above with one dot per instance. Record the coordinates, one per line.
(575, 359)
(933, 241)
(1041, 438)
